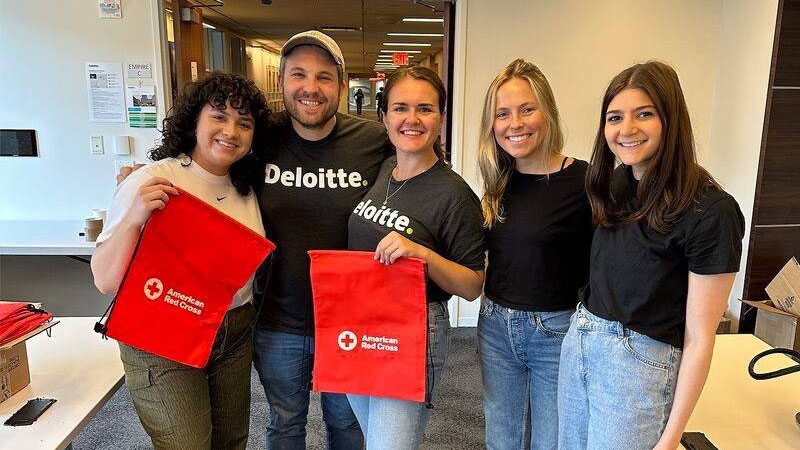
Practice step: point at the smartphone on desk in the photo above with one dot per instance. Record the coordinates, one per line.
(30, 412)
(696, 441)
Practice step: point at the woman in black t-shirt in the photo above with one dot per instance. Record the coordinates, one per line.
(418, 207)
(663, 261)
(539, 231)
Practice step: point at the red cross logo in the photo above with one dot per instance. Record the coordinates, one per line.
(347, 340)
(153, 288)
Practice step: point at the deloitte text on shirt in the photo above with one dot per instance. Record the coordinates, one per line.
(388, 217)
(322, 178)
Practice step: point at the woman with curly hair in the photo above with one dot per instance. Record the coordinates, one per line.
(206, 150)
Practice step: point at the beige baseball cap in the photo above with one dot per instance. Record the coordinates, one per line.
(314, 37)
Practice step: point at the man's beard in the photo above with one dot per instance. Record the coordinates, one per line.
(310, 121)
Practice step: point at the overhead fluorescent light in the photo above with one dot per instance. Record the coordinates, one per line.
(407, 44)
(417, 34)
(390, 56)
(422, 19)
(336, 28)
(207, 25)
(401, 51)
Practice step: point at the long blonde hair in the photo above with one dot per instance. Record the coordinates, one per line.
(495, 164)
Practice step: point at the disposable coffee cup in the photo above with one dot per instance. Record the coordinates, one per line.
(99, 213)
(93, 227)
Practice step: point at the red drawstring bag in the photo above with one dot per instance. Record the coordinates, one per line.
(190, 261)
(18, 318)
(371, 325)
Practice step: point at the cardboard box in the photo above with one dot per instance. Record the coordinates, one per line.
(783, 290)
(14, 371)
(724, 326)
(774, 326)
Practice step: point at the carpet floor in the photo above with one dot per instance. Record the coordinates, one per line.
(456, 423)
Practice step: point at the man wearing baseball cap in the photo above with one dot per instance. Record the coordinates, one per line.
(323, 163)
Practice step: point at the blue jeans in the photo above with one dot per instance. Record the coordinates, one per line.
(616, 386)
(391, 424)
(519, 352)
(284, 363)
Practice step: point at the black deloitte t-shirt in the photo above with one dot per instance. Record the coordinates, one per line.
(436, 209)
(539, 255)
(309, 191)
(640, 278)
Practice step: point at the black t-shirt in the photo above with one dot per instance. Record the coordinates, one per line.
(436, 209)
(640, 278)
(309, 191)
(539, 255)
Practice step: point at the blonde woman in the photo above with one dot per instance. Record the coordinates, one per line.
(538, 232)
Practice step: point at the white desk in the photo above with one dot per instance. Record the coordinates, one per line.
(737, 412)
(43, 237)
(75, 366)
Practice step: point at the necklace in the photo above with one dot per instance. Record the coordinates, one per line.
(388, 183)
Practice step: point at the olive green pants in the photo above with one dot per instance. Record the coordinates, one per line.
(182, 407)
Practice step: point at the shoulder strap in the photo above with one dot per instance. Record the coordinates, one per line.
(563, 162)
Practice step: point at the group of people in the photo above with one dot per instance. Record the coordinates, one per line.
(605, 279)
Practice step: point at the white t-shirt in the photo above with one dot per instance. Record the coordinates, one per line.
(217, 191)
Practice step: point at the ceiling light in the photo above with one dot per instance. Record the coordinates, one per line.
(416, 34)
(422, 19)
(206, 25)
(406, 44)
(401, 51)
(336, 28)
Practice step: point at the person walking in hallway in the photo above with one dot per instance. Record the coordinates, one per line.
(359, 97)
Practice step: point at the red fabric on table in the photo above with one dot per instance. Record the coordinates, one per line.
(18, 318)
(370, 324)
(189, 263)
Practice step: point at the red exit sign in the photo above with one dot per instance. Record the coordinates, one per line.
(400, 59)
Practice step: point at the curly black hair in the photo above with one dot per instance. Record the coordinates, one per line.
(217, 89)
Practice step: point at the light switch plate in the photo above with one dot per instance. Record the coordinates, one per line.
(122, 145)
(96, 144)
(120, 163)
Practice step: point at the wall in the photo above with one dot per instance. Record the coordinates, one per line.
(43, 50)
(746, 39)
(581, 45)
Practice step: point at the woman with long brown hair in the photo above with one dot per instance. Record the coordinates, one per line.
(663, 260)
(538, 233)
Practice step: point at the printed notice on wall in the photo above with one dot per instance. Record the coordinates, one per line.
(110, 9)
(142, 106)
(106, 95)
